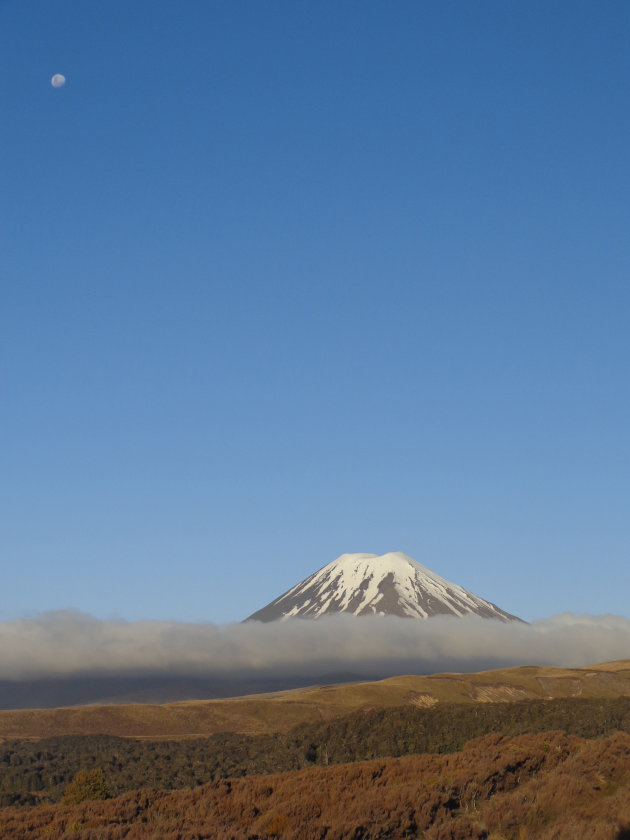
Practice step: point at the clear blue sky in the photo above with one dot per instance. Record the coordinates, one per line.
(283, 280)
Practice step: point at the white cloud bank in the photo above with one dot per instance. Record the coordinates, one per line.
(71, 644)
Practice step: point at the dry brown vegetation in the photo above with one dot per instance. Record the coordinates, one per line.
(38, 771)
(280, 711)
(548, 787)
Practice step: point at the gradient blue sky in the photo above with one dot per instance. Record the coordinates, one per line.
(283, 280)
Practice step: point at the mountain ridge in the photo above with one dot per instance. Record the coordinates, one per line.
(372, 584)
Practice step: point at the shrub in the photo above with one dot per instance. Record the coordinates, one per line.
(87, 784)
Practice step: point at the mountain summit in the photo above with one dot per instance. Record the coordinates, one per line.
(372, 584)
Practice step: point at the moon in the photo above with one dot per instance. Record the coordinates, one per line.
(58, 80)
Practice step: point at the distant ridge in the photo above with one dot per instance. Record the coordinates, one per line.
(279, 711)
(372, 584)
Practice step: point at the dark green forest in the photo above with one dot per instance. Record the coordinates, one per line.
(40, 771)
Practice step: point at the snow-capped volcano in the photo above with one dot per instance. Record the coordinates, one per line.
(372, 584)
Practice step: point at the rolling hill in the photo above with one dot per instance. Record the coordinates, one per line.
(279, 711)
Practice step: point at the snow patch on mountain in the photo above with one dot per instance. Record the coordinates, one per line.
(372, 584)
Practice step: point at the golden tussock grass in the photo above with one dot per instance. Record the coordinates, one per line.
(280, 711)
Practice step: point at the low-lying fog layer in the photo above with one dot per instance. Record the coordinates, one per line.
(69, 643)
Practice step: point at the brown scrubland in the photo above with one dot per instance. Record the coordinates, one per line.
(516, 754)
(549, 786)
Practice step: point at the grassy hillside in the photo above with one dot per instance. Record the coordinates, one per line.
(280, 711)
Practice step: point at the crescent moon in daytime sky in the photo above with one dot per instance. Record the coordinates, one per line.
(58, 80)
